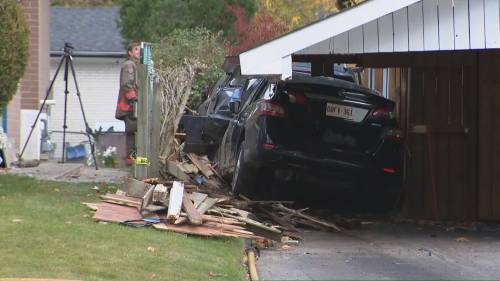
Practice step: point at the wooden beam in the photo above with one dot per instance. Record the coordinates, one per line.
(175, 201)
(193, 215)
(207, 204)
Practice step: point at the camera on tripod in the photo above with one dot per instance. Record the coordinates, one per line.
(68, 48)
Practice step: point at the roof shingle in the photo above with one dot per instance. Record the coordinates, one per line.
(89, 30)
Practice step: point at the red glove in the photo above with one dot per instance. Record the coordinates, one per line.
(131, 95)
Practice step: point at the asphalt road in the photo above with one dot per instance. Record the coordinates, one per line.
(388, 252)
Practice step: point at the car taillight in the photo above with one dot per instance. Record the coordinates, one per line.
(270, 108)
(384, 112)
(297, 98)
(394, 134)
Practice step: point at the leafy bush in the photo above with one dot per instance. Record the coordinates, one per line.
(13, 49)
(199, 44)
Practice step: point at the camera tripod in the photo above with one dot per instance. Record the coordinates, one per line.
(68, 64)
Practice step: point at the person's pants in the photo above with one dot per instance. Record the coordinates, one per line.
(130, 130)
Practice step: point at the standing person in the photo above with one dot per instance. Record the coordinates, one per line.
(127, 97)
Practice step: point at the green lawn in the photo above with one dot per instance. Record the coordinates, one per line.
(45, 232)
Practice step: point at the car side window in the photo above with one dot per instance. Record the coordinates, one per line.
(253, 92)
(269, 92)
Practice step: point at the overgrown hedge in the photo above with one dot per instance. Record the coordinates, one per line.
(14, 44)
(198, 44)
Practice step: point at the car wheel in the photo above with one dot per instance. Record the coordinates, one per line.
(242, 182)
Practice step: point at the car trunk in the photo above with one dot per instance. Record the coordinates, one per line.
(328, 121)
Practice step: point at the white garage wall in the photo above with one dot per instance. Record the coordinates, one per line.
(98, 80)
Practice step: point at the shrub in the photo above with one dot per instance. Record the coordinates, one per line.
(199, 44)
(13, 48)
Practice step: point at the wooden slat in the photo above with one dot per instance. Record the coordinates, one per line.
(341, 43)
(123, 200)
(175, 201)
(356, 40)
(415, 27)
(431, 25)
(198, 198)
(492, 23)
(193, 215)
(401, 30)
(446, 32)
(174, 169)
(461, 19)
(470, 103)
(116, 213)
(370, 37)
(487, 79)
(477, 36)
(207, 204)
(386, 34)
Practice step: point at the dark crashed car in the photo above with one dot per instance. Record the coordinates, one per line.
(314, 131)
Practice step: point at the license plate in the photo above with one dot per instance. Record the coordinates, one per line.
(351, 113)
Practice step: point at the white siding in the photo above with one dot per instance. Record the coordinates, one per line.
(427, 25)
(98, 80)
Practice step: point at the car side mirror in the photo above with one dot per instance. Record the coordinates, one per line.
(234, 107)
(204, 93)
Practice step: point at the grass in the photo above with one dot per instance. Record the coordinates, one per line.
(45, 232)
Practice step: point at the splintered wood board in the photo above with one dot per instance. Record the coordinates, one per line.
(204, 169)
(202, 230)
(198, 198)
(116, 213)
(123, 200)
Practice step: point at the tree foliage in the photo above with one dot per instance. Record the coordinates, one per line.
(13, 49)
(297, 13)
(154, 19)
(261, 28)
(199, 44)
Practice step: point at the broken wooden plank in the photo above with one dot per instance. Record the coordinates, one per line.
(148, 198)
(92, 206)
(116, 213)
(122, 200)
(197, 198)
(175, 201)
(201, 166)
(135, 188)
(201, 230)
(188, 168)
(307, 217)
(193, 215)
(160, 194)
(207, 204)
(276, 218)
(249, 221)
(174, 170)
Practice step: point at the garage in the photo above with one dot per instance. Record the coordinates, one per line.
(438, 60)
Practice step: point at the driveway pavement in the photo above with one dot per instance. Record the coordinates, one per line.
(71, 172)
(388, 252)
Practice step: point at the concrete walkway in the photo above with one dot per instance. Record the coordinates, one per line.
(387, 252)
(71, 172)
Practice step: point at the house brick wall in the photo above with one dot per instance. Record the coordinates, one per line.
(35, 78)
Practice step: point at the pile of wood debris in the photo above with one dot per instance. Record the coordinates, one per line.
(195, 202)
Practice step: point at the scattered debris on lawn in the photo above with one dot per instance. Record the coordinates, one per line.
(195, 200)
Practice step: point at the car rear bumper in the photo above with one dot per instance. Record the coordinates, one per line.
(287, 165)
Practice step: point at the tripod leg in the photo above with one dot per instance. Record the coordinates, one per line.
(41, 108)
(66, 92)
(88, 130)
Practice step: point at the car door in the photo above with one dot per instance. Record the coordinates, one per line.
(236, 128)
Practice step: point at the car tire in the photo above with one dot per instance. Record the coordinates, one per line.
(242, 182)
